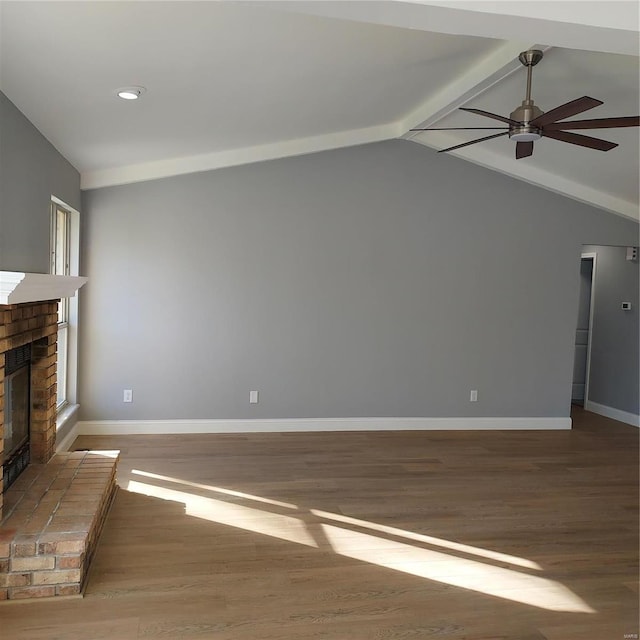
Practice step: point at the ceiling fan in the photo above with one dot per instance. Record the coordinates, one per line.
(529, 123)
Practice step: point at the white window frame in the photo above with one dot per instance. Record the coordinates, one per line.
(68, 309)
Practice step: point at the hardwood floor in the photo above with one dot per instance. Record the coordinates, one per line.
(527, 535)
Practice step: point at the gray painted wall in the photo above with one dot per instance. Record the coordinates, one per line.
(381, 280)
(615, 342)
(31, 171)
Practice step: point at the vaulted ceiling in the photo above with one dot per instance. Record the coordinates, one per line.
(237, 82)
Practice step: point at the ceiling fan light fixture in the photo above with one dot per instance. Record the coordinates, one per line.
(525, 134)
(524, 114)
(130, 93)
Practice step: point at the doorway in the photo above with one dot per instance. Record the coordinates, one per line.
(582, 353)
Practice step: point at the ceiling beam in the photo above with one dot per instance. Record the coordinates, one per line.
(618, 14)
(234, 157)
(536, 175)
(608, 27)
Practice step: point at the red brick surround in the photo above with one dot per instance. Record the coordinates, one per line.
(35, 323)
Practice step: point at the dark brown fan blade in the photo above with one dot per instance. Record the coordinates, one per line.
(466, 144)
(598, 123)
(524, 150)
(580, 140)
(566, 111)
(458, 128)
(488, 114)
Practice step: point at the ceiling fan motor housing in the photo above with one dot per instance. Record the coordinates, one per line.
(525, 113)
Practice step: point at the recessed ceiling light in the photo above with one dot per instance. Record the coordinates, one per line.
(130, 93)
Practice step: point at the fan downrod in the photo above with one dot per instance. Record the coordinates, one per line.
(527, 111)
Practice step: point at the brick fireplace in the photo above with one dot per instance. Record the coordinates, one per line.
(35, 324)
(29, 316)
(51, 516)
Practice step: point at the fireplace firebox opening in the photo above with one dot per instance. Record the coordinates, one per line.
(17, 385)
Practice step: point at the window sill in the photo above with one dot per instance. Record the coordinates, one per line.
(66, 416)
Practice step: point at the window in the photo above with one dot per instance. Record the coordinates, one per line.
(64, 261)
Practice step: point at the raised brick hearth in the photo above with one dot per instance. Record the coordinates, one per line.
(52, 516)
(55, 513)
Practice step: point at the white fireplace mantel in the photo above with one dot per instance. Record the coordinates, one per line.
(17, 287)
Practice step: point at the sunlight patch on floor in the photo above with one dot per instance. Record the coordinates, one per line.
(105, 453)
(458, 572)
(208, 487)
(419, 537)
(266, 523)
(380, 550)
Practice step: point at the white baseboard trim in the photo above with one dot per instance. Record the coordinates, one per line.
(615, 414)
(126, 427)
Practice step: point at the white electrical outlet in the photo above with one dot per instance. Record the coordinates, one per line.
(253, 397)
(473, 396)
(127, 395)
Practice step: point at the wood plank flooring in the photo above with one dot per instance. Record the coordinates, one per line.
(524, 535)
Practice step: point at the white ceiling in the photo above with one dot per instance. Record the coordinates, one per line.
(235, 82)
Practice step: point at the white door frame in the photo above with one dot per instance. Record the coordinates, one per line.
(587, 374)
